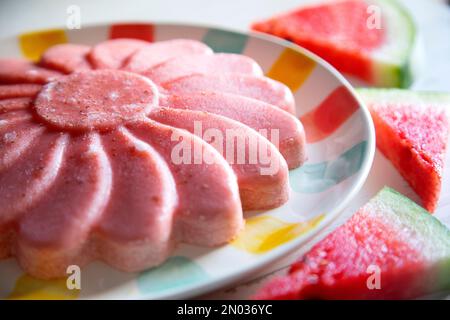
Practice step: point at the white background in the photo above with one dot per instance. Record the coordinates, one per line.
(432, 17)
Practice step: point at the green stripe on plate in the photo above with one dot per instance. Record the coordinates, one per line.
(225, 41)
(175, 272)
(318, 177)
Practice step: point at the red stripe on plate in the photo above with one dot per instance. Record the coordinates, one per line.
(135, 31)
(329, 115)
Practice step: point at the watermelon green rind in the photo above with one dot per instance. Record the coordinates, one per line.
(443, 280)
(419, 229)
(411, 248)
(402, 96)
(434, 237)
(394, 63)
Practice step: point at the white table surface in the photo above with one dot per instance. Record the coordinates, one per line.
(432, 17)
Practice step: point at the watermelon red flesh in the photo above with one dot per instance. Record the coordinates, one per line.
(346, 34)
(412, 132)
(342, 23)
(410, 248)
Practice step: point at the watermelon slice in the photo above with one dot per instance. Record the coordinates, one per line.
(390, 249)
(369, 39)
(412, 131)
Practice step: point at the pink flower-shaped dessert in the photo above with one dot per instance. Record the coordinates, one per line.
(90, 152)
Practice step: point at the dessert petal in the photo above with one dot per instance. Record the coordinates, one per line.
(261, 171)
(14, 116)
(30, 176)
(23, 71)
(17, 133)
(19, 90)
(256, 114)
(213, 64)
(112, 54)
(52, 235)
(135, 231)
(159, 52)
(260, 88)
(15, 104)
(209, 210)
(66, 58)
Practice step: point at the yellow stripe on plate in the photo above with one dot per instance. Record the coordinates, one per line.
(29, 288)
(33, 44)
(265, 233)
(291, 68)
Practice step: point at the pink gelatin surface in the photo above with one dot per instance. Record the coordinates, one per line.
(87, 144)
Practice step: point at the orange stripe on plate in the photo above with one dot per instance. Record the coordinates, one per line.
(292, 68)
(135, 31)
(33, 44)
(329, 115)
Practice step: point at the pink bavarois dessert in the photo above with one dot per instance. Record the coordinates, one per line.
(90, 160)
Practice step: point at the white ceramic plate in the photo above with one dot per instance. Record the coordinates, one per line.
(340, 149)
